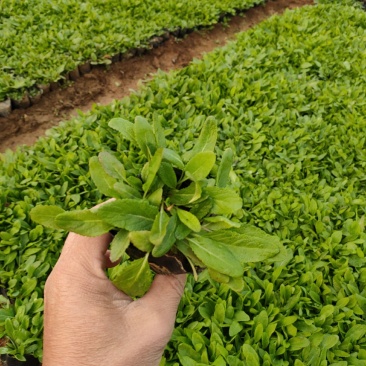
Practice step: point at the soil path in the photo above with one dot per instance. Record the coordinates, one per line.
(103, 85)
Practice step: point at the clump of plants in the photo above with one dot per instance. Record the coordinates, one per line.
(172, 212)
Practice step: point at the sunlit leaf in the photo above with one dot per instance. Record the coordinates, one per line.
(134, 278)
(129, 214)
(83, 222)
(46, 215)
(216, 256)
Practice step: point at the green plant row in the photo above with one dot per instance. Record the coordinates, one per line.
(42, 40)
(289, 100)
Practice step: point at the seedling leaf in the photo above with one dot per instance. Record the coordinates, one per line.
(126, 128)
(145, 136)
(186, 195)
(112, 166)
(102, 180)
(129, 214)
(46, 215)
(126, 191)
(225, 200)
(158, 132)
(152, 170)
(200, 165)
(159, 227)
(170, 156)
(206, 140)
(167, 175)
(189, 220)
(119, 245)
(156, 197)
(168, 240)
(82, 222)
(134, 278)
(215, 255)
(141, 240)
(224, 168)
(248, 243)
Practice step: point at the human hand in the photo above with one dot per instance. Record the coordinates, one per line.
(88, 321)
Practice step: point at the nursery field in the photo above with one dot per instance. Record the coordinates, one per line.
(105, 83)
(289, 98)
(41, 41)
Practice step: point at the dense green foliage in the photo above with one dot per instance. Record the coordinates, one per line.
(289, 98)
(169, 203)
(42, 39)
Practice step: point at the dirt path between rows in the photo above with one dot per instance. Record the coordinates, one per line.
(103, 85)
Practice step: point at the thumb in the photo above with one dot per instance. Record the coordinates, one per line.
(165, 293)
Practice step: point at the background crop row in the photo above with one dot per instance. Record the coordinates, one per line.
(40, 40)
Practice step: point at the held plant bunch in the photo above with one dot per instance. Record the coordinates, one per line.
(174, 212)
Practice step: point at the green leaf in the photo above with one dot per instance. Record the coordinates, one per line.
(235, 328)
(329, 341)
(83, 222)
(249, 355)
(224, 168)
(126, 128)
(104, 182)
(186, 250)
(356, 332)
(225, 200)
(186, 195)
(297, 343)
(200, 165)
(112, 165)
(283, 257)
(156, 197)
(218, 277)
(129, 214)
(141, 240)
(145, 136)
(216, 256)
(159, 227)
(219, 223)
(126, 191)
(182, 231)
(206, 141)
(153, 167)
(248, 243)
(28, 287)
(202, 209)
(236, 283)
(188, 356)
(119, 245)
(189, 220)
(134, 278)
(5, 314)
(241, 316)
(172, 157)
(46, 215)
(158, 132)
(168, 240)
(167, 174)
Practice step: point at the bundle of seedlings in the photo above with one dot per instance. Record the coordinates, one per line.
(169, 212)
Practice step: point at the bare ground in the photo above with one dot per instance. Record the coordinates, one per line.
(103, 85)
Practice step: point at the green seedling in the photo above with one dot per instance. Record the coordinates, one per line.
(180, 207)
